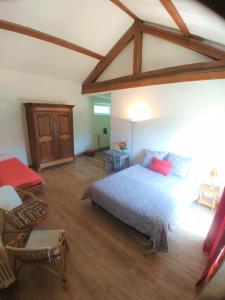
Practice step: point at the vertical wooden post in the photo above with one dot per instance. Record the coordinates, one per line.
(137, 50)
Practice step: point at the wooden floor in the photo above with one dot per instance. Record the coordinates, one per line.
(108, 260)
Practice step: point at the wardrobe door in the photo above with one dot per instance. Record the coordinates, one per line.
(64, 134)
(45, 136)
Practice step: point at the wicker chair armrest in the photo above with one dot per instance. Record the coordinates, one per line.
(3, 211)
(29, 195)
(61, 240)
(20, 192)
(11, 244)
(18, 241)
(27, 250)
(31, 255)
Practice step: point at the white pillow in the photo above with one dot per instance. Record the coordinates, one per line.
(149, 154)
(9, 198)
(181, 164)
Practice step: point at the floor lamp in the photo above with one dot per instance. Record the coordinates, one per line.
(132, 139)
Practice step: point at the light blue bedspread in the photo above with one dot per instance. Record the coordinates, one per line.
(145, 200)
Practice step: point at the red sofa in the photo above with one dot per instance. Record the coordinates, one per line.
(13, 172)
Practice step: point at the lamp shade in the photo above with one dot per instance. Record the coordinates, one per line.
(213, 172)
(139, 111)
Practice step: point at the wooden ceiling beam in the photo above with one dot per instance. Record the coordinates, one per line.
(174, 13)
(137, 61)
(184, 41)
(47, 38)
(191, 72)
(125, 9)
(116, 49)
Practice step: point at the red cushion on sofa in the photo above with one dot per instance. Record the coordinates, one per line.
(13, 172)
(161, 166)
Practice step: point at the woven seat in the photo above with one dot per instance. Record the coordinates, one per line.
(43, 247)
(27, 215)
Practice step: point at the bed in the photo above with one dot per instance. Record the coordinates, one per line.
(13, 172)
(145, 200)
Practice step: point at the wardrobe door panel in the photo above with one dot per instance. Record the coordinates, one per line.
(45, 136)
(46, 151)
(65, 135)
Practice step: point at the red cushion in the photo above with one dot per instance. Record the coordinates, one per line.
(161, 166)
(13, 172)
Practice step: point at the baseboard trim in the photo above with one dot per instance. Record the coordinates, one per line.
(56, 162)
(102, 149)
(96, 150)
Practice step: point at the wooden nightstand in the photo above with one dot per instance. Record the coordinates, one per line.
(208, 195)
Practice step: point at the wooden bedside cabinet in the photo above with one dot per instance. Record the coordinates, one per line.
(208, 195)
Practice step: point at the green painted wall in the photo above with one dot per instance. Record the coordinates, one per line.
(98, 122)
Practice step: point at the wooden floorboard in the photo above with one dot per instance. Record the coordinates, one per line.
(108, 259)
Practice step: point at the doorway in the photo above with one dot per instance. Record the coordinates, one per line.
(100, 110)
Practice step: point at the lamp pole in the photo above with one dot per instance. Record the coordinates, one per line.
(132, 139)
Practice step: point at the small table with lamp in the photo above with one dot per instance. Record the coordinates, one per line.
(115, 160)
(208, 195)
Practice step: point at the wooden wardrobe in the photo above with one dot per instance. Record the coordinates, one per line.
(50, 130)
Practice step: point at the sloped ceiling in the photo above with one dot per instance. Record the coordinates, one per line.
(94, 24)
(199, 19)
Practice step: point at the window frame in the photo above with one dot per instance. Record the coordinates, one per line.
(99, 104)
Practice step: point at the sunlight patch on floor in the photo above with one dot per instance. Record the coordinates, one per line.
(197, 220)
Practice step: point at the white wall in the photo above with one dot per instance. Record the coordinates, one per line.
(17, 88)
(185, 118)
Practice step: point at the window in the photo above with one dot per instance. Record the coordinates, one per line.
(102, 108)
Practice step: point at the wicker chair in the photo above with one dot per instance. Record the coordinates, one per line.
(6, 275)
(10, 200)
(44, 247)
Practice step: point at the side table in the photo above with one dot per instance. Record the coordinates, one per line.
(115, 160)
(208, 195)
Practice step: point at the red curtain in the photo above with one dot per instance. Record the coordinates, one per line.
(214, 244)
